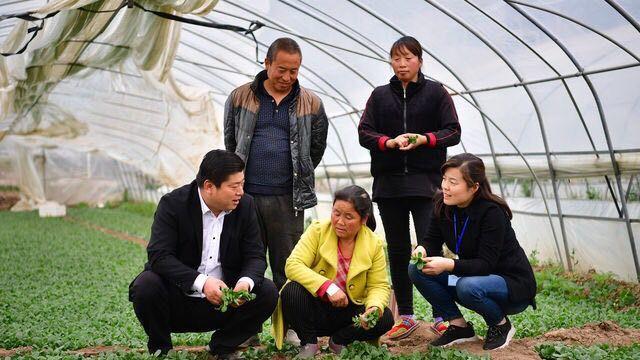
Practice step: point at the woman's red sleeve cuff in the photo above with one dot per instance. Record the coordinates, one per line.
(323, 289)
(431, 140)
(382, 143)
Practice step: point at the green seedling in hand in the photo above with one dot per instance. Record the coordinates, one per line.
(413, 139)
(230, 297)
(371, 319)
(418, 261)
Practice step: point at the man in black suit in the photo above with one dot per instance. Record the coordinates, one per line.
(205, 237)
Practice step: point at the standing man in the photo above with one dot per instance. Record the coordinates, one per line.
(204, 238)
(280, 129)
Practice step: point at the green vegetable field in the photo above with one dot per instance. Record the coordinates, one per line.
(63, 295)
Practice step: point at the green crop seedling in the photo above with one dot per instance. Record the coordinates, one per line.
(230, 297)
(418, 261)
(371, 319)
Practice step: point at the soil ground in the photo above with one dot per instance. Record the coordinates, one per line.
(524, 349)
(519, 349)
(8, 199)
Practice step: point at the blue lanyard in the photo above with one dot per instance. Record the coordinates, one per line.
(455, 230)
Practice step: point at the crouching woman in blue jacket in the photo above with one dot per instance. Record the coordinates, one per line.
(490, 273)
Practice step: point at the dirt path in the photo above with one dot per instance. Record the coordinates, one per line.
(10, 352)
(97, 350)
(523, 349)
(118, 234)
(520, 349)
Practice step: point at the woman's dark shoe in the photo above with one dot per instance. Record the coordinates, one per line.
(455, 335)
(498, 336)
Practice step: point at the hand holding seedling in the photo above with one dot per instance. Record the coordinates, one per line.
(397, 142)
(418, 257)
(241, 286)
(212, 289)
(435, 265)
(233, 298)
(412, 141)
(368, 319)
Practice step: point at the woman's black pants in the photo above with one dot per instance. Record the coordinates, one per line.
(311, 317)
(395, 218)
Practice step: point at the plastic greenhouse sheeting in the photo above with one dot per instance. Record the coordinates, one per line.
(546, 92)
(96, 81)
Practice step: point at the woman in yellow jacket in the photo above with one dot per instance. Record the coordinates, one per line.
(337, 270)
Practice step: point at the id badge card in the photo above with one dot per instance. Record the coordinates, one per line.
(452, 280)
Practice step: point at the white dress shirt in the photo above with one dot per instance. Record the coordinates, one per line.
(210, 261)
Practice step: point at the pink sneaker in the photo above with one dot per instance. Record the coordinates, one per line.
(439, 326)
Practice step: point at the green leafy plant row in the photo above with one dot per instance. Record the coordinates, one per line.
(64, 286)
(365, 351)
(555, 351)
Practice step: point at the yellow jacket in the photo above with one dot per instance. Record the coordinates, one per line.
(314, 260)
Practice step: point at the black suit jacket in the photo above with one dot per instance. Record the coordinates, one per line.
(175, 247)
(489, 246)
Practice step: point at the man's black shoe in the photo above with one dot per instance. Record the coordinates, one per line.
(236, 355)
(229, 356)
(455, 335)
(498, 336)
(250, 342)
(160, 353)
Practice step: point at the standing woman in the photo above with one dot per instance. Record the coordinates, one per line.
(407, 126)
(336, 271)
(490, 275)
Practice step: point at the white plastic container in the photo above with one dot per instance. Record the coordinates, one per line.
(52, 209)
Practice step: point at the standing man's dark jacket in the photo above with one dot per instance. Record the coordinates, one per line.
(175, 248)
(308, 127)
(489, 246)
(425, 108)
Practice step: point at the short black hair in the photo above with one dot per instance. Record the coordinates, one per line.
(409, 43)
(285, 44)
(217, 165)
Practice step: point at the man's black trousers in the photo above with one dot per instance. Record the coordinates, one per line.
(163, 308)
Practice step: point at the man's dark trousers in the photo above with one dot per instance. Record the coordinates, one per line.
(281, 228)
(163, 308)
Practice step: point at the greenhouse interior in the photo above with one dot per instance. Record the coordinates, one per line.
(109, 101)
